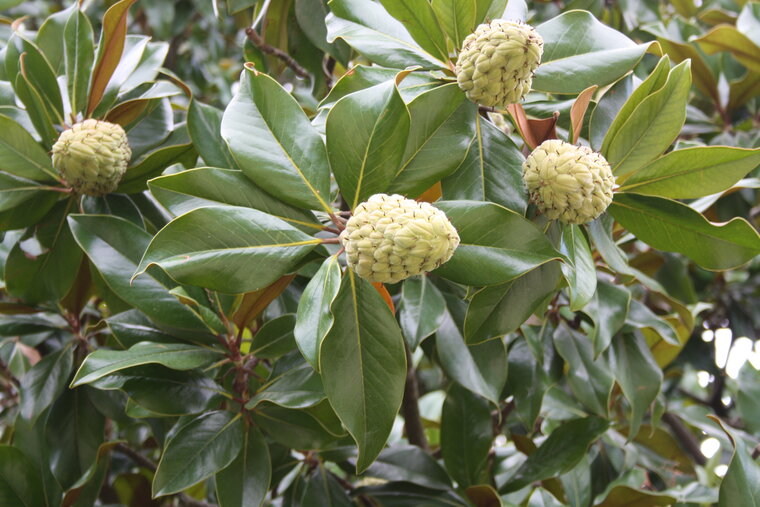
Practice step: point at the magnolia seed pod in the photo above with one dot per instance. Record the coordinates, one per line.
(92, 156)
(569, 183)
(497, 62)
(390, 238)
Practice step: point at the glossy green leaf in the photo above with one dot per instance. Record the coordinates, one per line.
(675, 227)
(314, 319)
(227, 248)
(297, 429)
(367, 161)
(421, 23)
(590, 379)
(275, 337)
(246, 480)
(631, 497)
(441, 131)
(607, 109)
(115, 247)
(608, 309)
(204, 123)
(20, 484)
(422, 309)
(200, 448)
(21, 155)
(693, 172)
(580, 51)
(652, 126)
(288, 158)
(580, 272)
(480, 368)
(297, 387)
(727, 38)
(368, 28)
(458, 18)
(104, 362)
(638, 375)
(526, 381)
(207, 186)
(311, 19)
(363, 366)
(175, 149)
(741, 484)
(496, 244)
(38, 77)
(47, 379)
(491, 171)
(501, 309)
(466, 436)
(412, 464)
(559, 453)
(79, 50)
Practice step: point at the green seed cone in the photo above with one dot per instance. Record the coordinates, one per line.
(390, 238)
(92, 156)
(569, 183)
(497, 62)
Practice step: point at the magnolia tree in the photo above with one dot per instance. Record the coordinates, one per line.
(431, 253)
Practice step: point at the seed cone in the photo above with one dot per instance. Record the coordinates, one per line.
(569, 183)
(390, 238)
(92, 156)
(497, 62)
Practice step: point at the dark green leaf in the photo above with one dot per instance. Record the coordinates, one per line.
(409, 463)
(79, 51)
(204, 123)
(422, 309)
(245, 481)
(19, 482)
(420, 21)
(526, 381)
(20, 154)
(580, 272)
(275, 337)
(741, 484)
(457, 17)
(47, 379)
(608, 309)
(298, 387)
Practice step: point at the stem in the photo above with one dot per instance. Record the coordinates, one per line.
(686, 438)
(415, 432)
(254, 37)
(330, 240)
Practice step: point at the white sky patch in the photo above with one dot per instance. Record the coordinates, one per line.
(721, 470)
(741, 351)
(709, 447)
(722, 346)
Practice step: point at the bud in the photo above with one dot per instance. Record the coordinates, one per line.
(497, 62)
(569, 183)
(390, 238)
(92, 156)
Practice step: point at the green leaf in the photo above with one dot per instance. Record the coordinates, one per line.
(104, 362)
(607, 109)
(20, 155)
(275, 337)
(79, 55)
(466, 435)
(371, 31)
(496, 245)
(204, 123)
(727, 38)
(297, 429)
(246, 480)
(526, 381)
(311, 19)
(457, 17)
(38, 77)
(440, 134)
(631, 497)
(297, 387)
(420, 20)
(479, 368)
(501, 309)
(227, 248)
(43, 267)
(608, 309)
(412, 464)
(580, 51)
(591, 379)
(638, 375)
(274, 143)
(115, 246)
(580, 272)
(363, 366)
(491, 171)
(741, 484)
(422, 309)
(366, 162)
(199, 449)
(559, 453)
(207, 186)
(314, 319)
(652, 126)
(693, 172)
(47, 379)
(675, 227)
(19, 480)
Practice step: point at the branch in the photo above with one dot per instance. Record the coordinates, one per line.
(415, 432)
(257, 41)
(688, 440)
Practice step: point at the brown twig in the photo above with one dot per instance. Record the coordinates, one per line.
(257, 41)
(685, 437)
(410, 409)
